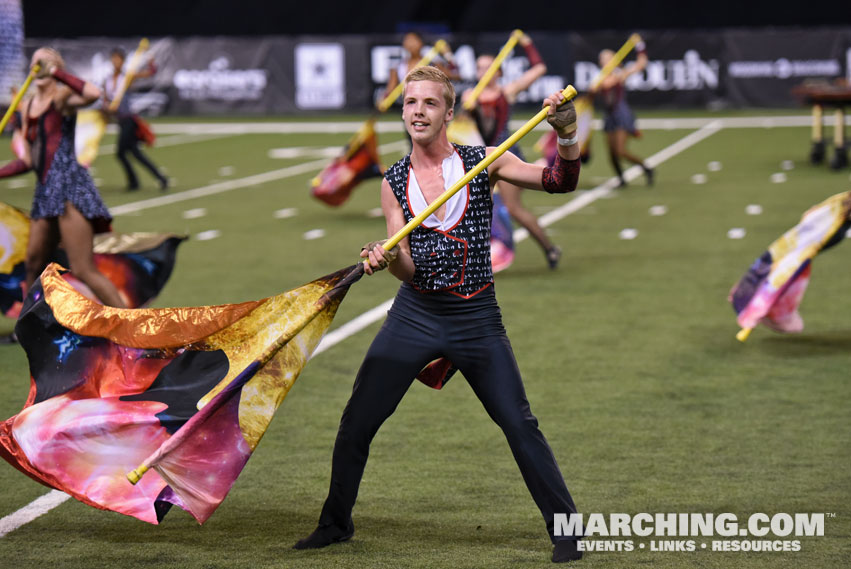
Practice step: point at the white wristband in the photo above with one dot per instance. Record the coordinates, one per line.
(568, 141)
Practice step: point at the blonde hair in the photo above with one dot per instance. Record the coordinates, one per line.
(429, 73)
(53, 55)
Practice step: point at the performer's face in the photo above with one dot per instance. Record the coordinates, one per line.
(117, 61)
(412, 44)
(425, 111)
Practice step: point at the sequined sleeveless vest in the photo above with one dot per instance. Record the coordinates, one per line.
(452, 255)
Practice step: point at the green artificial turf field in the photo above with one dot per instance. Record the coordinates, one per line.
(627, 351)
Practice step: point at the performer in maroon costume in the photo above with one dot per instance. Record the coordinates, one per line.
(66, 205)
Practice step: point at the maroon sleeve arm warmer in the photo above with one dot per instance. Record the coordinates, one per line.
(14, 168)
(532, 54)
(562, 176)
(72, 81)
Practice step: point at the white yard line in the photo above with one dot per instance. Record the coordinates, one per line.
(169, 141)
(347, 127)
(229, 185)
(31, 511)
(54, 498)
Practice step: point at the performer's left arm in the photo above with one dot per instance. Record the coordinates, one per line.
(640, 62)
(563, 175)
(79, 92)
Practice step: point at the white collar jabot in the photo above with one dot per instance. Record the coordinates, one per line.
(453, 170)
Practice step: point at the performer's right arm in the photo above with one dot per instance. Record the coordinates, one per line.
(14, 168)
(20, 165)
(402, 267)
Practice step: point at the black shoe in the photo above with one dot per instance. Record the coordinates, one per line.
(649, 173)
(132, 187)
(324, 536)
(163, 183)
(566, 551)
(9, 339)
(621, 183)
(553, 256)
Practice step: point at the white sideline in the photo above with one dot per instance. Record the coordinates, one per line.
(54, 498)
(168, 141)
(229, 185)
(346, 127)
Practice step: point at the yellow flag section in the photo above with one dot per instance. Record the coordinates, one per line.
(463, 130)
(802, 242)
(14, 232)
(91, 126)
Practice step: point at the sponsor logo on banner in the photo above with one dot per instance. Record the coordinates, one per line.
(784, 68)
(691, 73)
(384, 58)
(320, 79)
(220, 82)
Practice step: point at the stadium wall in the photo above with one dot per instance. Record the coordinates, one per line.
(292, 74)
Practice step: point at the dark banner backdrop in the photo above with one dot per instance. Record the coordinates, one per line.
(289, 74)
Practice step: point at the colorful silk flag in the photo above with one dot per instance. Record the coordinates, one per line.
(91, 125)
(359, 161)
(138, 264)
(502, 236)
(547, 145)
(772, 289)
(194, 387)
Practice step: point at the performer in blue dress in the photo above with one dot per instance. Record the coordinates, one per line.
(66, 205)
(619, 122)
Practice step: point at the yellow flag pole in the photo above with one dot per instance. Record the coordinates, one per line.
(19, 95)
(439, 46)
(132, 68)
(616, 60)
(491, 71)
(569, 93)
(743, 334)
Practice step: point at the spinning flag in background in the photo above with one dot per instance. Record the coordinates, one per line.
(360, 160)
(91, 125)
(138, 264)
(198, 386)
(772, 289)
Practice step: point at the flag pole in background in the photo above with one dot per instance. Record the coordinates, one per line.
(132, 68)
(616, 60)
(463, 128)
(18, 96)
(439, 46)
(470, 103)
